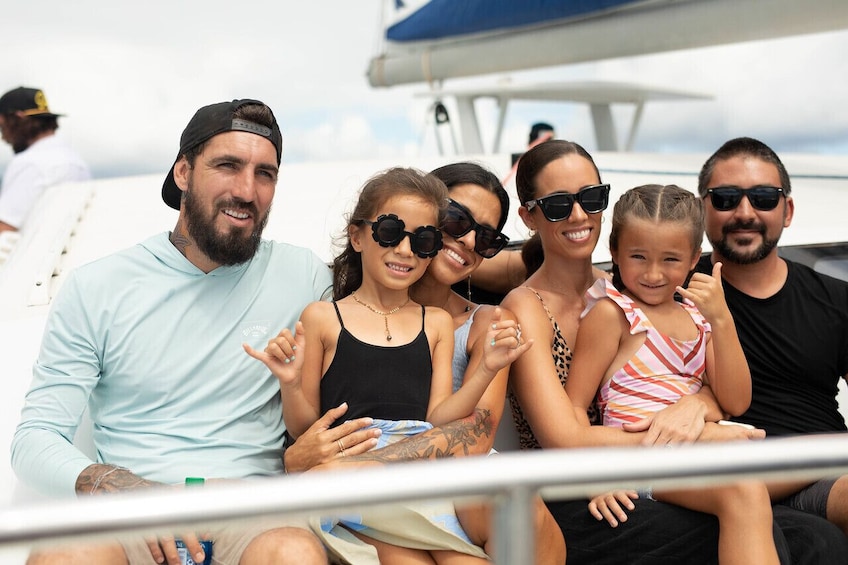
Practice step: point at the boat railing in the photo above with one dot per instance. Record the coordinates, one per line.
(510, 481)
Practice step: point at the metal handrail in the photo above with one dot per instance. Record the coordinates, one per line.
(510, 479)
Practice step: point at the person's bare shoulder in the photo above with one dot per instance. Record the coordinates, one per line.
(604, 309)
(438, 316)
(517, 297)
(529, 312)
(316, 314)
(486, 312)
(318, 307)
(438, 324)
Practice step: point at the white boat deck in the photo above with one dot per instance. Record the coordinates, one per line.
(81, 222)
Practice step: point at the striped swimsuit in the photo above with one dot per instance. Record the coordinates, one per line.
(661, 371)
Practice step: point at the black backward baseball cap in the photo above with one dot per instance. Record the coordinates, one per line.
(208, 122)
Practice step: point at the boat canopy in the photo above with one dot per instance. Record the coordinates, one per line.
(432, 40)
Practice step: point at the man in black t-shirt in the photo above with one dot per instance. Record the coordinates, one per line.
(793, 326)
(792, 322)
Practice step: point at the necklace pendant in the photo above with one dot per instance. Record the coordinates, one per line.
(385, 315)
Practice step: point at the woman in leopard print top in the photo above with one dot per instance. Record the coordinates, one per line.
(549, 303)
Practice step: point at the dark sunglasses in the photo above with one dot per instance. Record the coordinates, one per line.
(459, 221)
(763, 198)
(388, 231)
(558, 206)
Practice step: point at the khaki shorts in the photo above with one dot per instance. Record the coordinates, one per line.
(229, 542)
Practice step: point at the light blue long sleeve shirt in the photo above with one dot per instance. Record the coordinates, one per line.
(154, 347)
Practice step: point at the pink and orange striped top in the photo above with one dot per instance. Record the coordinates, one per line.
(660, 372)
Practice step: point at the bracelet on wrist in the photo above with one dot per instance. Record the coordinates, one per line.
(102, 476)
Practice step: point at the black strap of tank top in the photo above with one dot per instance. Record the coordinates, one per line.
(338, 314)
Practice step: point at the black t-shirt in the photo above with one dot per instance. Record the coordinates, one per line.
(796, 345)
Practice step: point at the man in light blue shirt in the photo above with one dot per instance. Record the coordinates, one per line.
(150, 340)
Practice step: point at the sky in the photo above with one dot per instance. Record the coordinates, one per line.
(130, 75)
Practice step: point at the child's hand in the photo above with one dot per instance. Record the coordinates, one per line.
(609, 506)
(504, 343)
(280, 356)
(707, 294)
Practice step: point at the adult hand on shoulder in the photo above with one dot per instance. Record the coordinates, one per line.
(322, 445)
(682, 422)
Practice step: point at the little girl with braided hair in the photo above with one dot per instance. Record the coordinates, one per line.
(639, 350)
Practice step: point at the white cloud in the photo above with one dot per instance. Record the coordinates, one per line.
(130, 75)
(790, 92)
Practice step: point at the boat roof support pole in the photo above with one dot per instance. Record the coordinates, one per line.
(469, 128)
(634, 125)
(503, 102)
(604, 127)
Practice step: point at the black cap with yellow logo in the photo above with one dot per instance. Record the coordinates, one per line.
(28, 101)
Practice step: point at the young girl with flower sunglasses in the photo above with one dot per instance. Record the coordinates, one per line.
(386, 356)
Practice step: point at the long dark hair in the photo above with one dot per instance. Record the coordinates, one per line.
(22, 131)
(472, 173)
(347, 266)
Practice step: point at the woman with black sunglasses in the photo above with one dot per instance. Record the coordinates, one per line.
(471, 233)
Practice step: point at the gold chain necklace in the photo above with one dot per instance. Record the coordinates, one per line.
(385, 315)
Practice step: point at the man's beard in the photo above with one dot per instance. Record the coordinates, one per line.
(232, 248)
(723, 247)
(17, 133)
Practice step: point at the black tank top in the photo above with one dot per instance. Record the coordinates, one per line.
(391, 383)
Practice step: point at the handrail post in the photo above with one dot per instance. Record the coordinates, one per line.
(514, 531)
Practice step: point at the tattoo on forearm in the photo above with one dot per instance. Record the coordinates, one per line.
(99, 479)
(450, 440)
